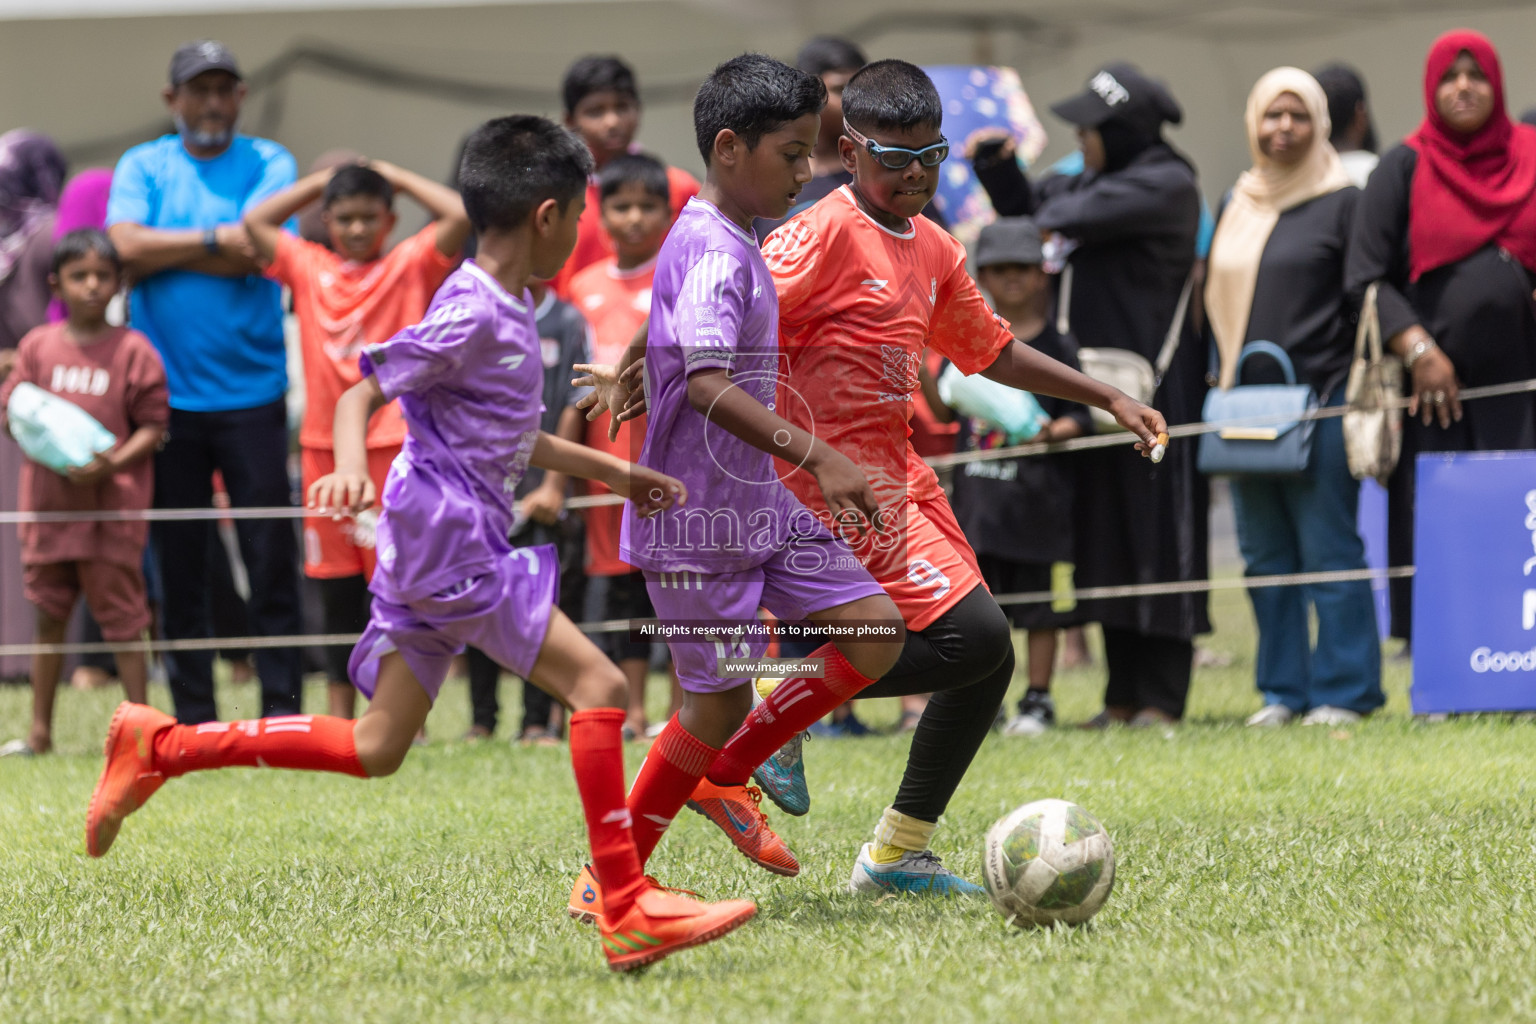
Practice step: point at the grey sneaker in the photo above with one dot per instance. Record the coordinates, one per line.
(1270, 716)
(1329, 715)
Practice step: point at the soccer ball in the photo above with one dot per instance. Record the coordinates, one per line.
(1046, 862)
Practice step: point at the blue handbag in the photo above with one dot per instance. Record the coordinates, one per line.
(1271, 435)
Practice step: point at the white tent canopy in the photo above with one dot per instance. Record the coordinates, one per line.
(406, 80)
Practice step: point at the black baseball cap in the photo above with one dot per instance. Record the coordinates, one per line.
(192, 59)
(1009, 240)
(1119, 91)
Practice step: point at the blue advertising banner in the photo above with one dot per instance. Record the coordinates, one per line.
(976, 98)
(1474, 594)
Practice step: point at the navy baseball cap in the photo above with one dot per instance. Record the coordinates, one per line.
(192, 59)
(1120, 91)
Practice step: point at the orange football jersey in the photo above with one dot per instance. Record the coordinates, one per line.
(858, 305)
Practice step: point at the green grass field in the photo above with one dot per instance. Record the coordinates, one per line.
(1378, 873)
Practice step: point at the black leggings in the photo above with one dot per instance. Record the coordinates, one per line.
(344, 605)
(965, 659)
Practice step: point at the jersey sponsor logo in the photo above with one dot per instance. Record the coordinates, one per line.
(511, 362)
(900, 368)
(875, 284)
(549, 352)
(933, 290)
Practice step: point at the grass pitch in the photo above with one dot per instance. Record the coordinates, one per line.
(1378, 873)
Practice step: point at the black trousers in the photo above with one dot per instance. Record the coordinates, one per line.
(569, 536)
(1147, 671)
(965, 659)
(249, 447)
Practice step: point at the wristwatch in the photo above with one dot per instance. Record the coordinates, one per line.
(211, 241)
(1417, 352)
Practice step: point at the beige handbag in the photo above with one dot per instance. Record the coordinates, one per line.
(1121, 368)
(1373, 424)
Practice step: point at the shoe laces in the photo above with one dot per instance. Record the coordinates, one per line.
(678, 890)
(756, 796)
(929, 859)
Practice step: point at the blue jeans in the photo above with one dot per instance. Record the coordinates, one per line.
(1307, 524)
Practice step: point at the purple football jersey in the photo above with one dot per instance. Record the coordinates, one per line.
(469, 379)
(713, 305)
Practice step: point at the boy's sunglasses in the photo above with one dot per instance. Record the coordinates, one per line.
(896, 158)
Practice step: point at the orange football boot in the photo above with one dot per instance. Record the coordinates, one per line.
(736, 810)
(586, 904)
(129, 778)
(661, 923)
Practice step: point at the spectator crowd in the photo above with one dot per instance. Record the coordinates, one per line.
(165, 298)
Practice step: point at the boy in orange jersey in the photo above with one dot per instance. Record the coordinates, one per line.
(614, 294)
(345, 297)
(865, 286)
(602, 105)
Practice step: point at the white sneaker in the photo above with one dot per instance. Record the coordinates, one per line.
(1024, 725)
(914, 872)
(1270, 716)
(1330, 715)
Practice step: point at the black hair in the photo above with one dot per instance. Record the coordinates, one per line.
(634, 169)
(597, 74)
(892, 95)
(512, 164)
(357, 180)
(1346, 92)
(81, 243)
(753, 95)
(829, 53)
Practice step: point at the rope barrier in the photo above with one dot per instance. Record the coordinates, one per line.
(625, 625)
(581, 501)
(1090, 442)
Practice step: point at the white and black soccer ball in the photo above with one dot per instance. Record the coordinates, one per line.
(1049, 861)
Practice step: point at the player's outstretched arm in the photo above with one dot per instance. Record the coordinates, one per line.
(649, 490)
(349, 489)
(850, 499)
(1020, 366)
(265, 220)
(442, 202)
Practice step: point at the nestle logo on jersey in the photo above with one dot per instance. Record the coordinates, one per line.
(704, 314)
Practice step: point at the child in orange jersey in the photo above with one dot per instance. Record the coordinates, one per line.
(614, 294)
(865, 286)
(347, 296)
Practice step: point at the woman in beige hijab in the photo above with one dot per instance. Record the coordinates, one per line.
(1277, 274)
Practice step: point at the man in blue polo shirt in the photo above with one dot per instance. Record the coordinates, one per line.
(174, 214)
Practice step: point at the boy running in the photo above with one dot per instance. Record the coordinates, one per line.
(865, 285)
(345, 297)
(711, 371)
(469, 378)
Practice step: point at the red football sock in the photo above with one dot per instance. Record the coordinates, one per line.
(316, 743)
(597, 754)
(792, 706)
(672, 770)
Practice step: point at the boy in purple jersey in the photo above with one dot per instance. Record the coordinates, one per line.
(712, 377)
(469, 379)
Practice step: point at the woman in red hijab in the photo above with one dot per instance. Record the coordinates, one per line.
(1447, 226)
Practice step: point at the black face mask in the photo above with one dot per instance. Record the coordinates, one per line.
(1124, 141)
